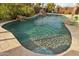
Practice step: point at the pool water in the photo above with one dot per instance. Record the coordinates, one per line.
(42, 34)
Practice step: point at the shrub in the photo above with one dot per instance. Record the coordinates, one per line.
(74, 21)
(25, 11)
(10, 11)
(13, 10)
(7, 11)
(4, 12)
(76, 18)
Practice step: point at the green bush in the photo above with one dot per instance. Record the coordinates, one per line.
(7, 11)
(25, 11)
(74, 20)
(10, 11)
(13, 11)
(4, 12)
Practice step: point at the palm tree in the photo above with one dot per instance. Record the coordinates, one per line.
(51, 7)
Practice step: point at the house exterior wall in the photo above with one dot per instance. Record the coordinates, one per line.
(65, 10)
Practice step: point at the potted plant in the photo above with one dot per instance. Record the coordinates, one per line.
(74, 21)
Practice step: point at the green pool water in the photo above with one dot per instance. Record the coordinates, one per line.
(42, 34)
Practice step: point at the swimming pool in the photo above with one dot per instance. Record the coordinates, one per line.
(42, 34)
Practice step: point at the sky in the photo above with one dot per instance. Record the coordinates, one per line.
(66, 4)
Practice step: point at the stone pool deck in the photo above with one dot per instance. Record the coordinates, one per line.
(9, 45)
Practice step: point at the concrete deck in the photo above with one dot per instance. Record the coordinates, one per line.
(9, 45)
